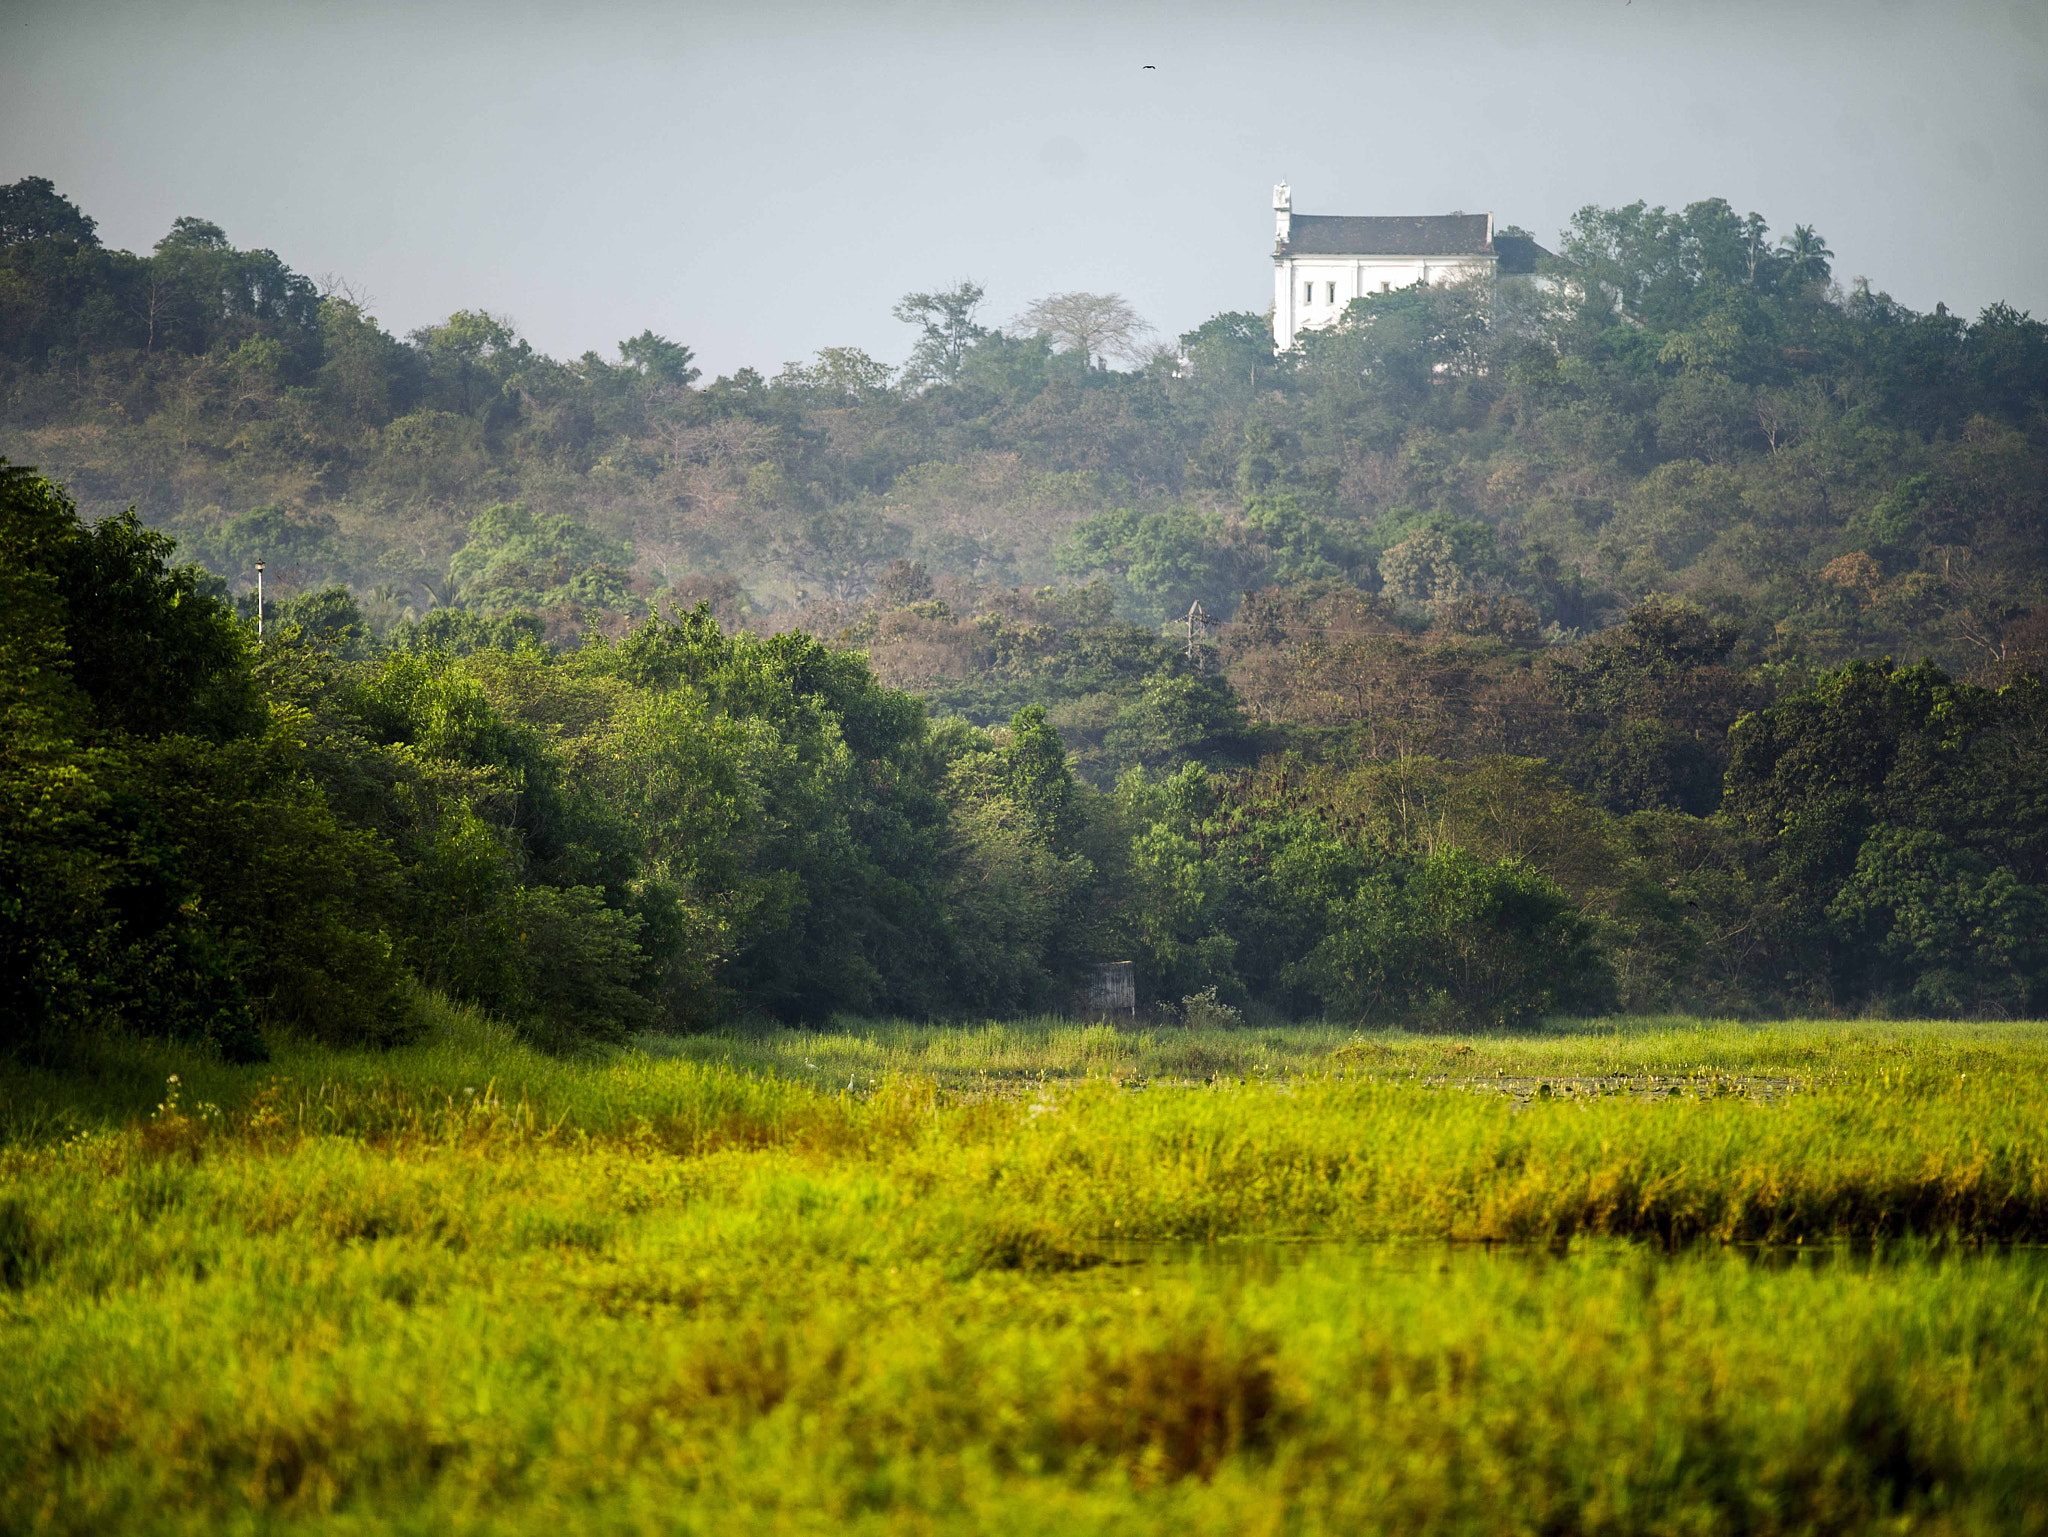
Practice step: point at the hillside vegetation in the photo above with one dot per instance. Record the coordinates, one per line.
(1679, 405)
(1665, 629)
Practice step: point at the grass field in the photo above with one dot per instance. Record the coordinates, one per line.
(1645, 1276)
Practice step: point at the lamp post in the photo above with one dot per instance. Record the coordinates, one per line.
(259, 602)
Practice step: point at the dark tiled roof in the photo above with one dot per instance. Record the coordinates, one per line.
(1444, 234)
(1517, 253)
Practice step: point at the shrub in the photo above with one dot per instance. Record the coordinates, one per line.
(1204, 1011)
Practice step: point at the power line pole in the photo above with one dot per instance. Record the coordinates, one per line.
(259, 602)
(1196, 617)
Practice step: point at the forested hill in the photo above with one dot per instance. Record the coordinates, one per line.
(1664, 629)
(1681, 405)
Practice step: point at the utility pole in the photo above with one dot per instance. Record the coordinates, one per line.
(259, 602)
(1196, 617)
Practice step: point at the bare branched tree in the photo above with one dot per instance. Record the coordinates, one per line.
(1094, 325)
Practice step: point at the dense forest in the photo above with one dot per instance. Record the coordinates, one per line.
(1663, 628)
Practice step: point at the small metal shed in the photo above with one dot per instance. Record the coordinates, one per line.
(1112, 990)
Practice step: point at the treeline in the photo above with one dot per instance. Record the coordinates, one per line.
(204, 835)
(210, 836)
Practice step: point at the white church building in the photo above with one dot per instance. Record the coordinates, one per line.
(1321, 262)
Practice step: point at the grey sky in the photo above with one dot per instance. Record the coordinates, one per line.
(764, 180)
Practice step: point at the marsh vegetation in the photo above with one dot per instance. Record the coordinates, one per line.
(886, 1277)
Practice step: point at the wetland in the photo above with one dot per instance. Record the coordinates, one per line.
(1037, 1275)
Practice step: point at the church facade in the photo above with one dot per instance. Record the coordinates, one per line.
(1321, 262)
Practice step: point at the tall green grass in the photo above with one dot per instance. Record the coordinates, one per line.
(1882, 1131)
(1027, 1278)
(1003, 1054)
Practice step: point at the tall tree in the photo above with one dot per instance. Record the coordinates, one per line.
(1098, 326)
(33, 209)
(471, 354)
(1809, 255)
(660, 359)
(946, 327)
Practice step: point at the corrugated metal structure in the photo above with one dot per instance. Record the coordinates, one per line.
(1112, 991)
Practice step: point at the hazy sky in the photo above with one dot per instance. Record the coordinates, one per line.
(763, 180)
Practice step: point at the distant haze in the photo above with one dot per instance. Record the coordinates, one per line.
(764, 180)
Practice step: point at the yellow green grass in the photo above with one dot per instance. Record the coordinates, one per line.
(1034, 1277)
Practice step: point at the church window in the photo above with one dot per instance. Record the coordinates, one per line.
(1386, 286)
(1308, 293)
(1333, 291)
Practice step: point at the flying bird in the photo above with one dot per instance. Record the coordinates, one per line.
(1151, 66)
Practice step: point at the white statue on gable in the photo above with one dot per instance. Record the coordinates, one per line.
(1283, 196)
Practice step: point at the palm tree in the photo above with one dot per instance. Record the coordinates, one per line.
(1809, 255)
